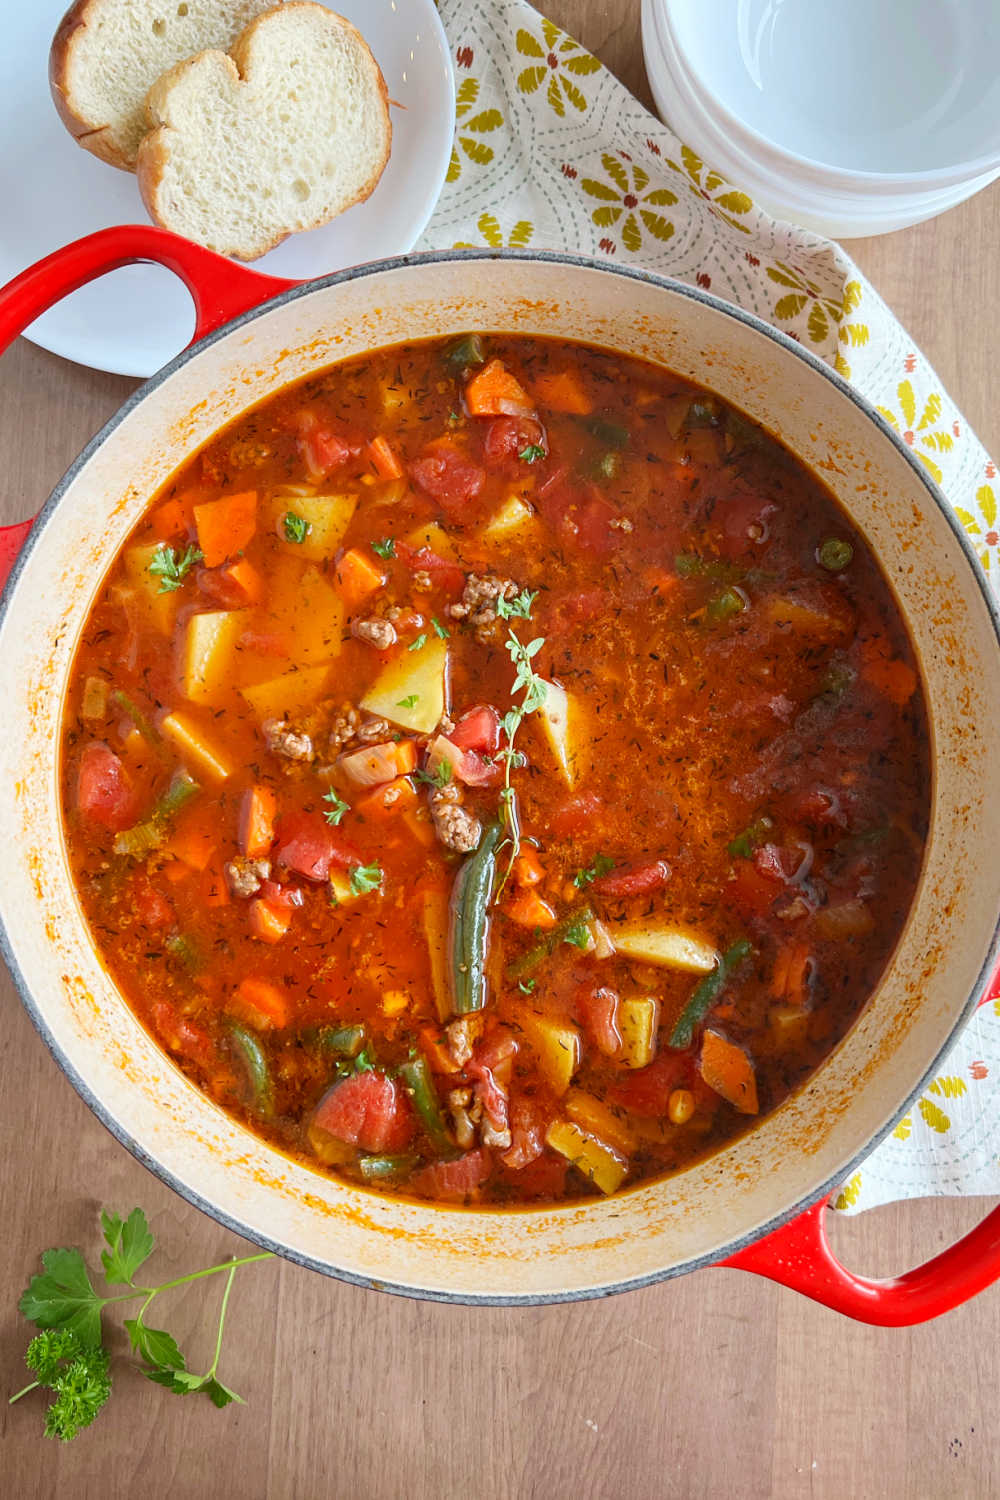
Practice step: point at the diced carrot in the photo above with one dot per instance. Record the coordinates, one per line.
(194, 838)
(528, 909)
(171, 519)
(225, 526)
(269, 921)
(257, 813)
(790, 978)
(436, 1053)
(387, 465)
(175, 871)
(214, 890)
(404, 753)
(357, 578)
(391, 797)
(889, 675)
(563, 391)
(417, 820)
(528, 868)
(495, 392)
(261, 1003)
(246, 580)
(727, 1069)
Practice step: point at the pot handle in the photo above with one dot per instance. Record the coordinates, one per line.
(220, 289)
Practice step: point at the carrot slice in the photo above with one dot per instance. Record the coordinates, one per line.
(357, 578)
(391, 797)
(214, 890)
(893, 678)
(728, 1070)
(261, 1003)
(194, 839)
(247, 580)
(790, 979)
(171, 519)
(225, 526)
(528, 909)
(268, 920)
(387, 465)
(495, 392)
(257, 813)
(563, 391)
(527, 868)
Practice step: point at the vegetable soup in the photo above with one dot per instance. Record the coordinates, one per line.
(496, 771)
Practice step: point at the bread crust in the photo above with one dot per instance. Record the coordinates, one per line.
(155, 146)
(98, 139)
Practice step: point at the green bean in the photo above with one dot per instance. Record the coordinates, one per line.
(563, 933)
(377, 1168)
(419, 1083)
(706, 992)
(128, 705)
(343, 1041)
(611, 434)
(723, 606)
(251, 1055)
(181, 947)
(468, 935)
(834, 554)
(465, 352)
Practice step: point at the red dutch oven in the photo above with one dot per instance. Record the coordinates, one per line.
(758, 1205)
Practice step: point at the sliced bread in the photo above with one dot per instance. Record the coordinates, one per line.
(107, 54)
(280, 136)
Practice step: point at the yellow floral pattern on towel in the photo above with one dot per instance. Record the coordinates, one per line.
(552, 153)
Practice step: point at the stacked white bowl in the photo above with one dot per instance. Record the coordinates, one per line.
(852, 118)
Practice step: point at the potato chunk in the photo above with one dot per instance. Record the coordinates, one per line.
(412, 690)
(556, 1045)
(666, 944)
(209, 650)
(601, 1163)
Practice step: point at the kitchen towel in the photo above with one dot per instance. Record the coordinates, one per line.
(551, 152)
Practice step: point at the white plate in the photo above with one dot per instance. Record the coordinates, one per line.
(135, 319)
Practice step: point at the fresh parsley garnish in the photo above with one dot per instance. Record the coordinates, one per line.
(420, 641)
(338, 807)
(518, 608)
(599, 865)
(170, 569)
(526, 985)
(439, 777)
(68, 1356)
(297, 528)
(385, 548)
(439, 629)
(532, 453)
(365, 878)
(577, 934)
(409, 701)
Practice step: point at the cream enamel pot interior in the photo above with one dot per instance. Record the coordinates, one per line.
(716, 1209)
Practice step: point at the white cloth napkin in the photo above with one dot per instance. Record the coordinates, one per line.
(552, 152)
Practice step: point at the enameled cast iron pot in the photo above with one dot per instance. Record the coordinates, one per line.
(757, 1205)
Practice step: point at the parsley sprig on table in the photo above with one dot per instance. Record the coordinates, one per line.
(533, 689)
(68, 1356)
(172, 569)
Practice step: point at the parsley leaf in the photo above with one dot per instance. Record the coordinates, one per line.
(154, 1345)
(439, 629)
(420, 641)
(170, 569)
(129, 1244)
(409, 701)
(578, 934)
(439, 777)
(385, 548)
(338, 807)
(365, 878)
(532, 453)
(599, 865)
(526, 985)
(518, 607)
(297, 528)
(63, 1297)
(78, 1375)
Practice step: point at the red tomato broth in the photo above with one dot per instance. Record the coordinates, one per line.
(750, 763)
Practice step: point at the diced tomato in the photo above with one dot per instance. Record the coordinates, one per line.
(506, 438)
(777, 864)
(449, 477)
(816, 805)
(454, 1179)
(308, 845)
(323, 446)
(179, 1034)
(751, 893)
(633, 880)
(264, 643)
(282, 895)
(598, 1011)
(647, 1090)
(367, 1110)
(104, 790)
(152, 909)
(544, 1177)
(745, 524)
(478, 729)
(593, 528)
(444, 574)
(569, 610)
(527, 1132)
(576, 815)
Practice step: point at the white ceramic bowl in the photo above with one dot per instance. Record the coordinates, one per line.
(851, 120)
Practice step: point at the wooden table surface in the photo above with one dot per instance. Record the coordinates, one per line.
(715, 1385)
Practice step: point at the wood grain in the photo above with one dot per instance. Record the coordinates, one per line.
(712, 1386)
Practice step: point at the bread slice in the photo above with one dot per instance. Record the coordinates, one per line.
(281, 136)
(107, 54)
